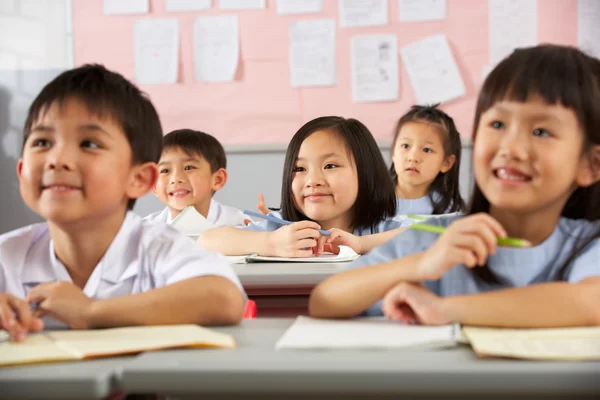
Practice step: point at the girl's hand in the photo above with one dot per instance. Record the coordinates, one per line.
(338, 238)
(295, 240)
(469, 241)
(17, 318)
(64, 302)
(261, 205)
(414, 304)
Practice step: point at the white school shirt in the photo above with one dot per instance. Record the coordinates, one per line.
(218, 215)
(142, 256)
(514, 267)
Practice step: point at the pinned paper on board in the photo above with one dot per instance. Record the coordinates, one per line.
(512, 24)
(354, 13)
(588, 26)
(312, 52)
(216, 48)
(242, 4)
(422, 10)
(374, 68)
(156, 50)
(432, 70)
(125, 7)
(294, 7)
(188, 5)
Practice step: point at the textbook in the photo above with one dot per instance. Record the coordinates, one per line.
(191, 223)
(568, 344)
(73, 345)
(346, 254)
(365, 333)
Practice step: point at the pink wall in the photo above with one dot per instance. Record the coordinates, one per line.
(260, 106)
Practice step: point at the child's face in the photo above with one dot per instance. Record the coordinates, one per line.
(528, 156)
(185, 180)
(76, 166)
(325, 180)
(419, 157)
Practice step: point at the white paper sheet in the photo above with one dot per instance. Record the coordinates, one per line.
(421, 10)
(191, 222)
(512, 24)
(432, 70)
(125, 7)
(346, 254)
(309, 333)
(312, 52)
(588, 26)
(188, 5)
(363, 13)
(293, 7)
(241, 4)
(216, 48)
(374, 68)
(156, 50)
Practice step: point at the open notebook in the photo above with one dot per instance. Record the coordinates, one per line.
(311, 333)
(346, 254)
(536, 344)
(191, 222)
(83, 344)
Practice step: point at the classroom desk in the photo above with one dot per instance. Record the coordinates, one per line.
(255, 369)
(282, 289)
(89, 379)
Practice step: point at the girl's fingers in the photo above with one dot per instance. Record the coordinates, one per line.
(306, 233)
(306, 244)
(491, 222)
(321, 244)
(305, 225)
(473, 243)
(10, 323)
(466, 257)
(303, 253)
(23, 310)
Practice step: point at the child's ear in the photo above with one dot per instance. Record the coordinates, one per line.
(143, 178)
(589, 170)
(447, 164)
(219, 179)
(20, 168)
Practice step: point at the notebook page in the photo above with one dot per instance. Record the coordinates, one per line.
(310, 333)
(536, 344)
(346, 254)
(96, 343)
(36, 348)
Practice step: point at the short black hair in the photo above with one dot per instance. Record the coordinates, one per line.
(444, 191)
(559, 75)
(198, 143)
(106, 94)
(376, 200)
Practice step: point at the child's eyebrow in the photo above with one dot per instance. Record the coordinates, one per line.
(412, 140)
(92, 127)
(42, 128)
(322, 156)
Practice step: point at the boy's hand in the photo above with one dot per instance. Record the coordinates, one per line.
(338, 238)
(64, 302)
(23, 322)
(467, 241)
(414, 304)
(295, 240)
(261, 205)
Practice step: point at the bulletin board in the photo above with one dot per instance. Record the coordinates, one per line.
(260, 106)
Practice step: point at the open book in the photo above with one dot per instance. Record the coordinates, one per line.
(376, 333)
(346, 254)
(191, 222)
(536, 344)
(83, 344)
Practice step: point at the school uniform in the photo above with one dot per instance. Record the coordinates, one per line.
(420, 206)
(268, 226)
(514, 267)
(218, 215)
(142, 256)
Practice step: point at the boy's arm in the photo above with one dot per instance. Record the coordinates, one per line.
(351, 292)
(204, 300)
(236, 242)
(546, 305)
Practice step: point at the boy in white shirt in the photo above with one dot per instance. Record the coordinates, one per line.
(92, 140)
(192, 168)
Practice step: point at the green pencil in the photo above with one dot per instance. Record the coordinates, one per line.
(508, 241)
(417, 217)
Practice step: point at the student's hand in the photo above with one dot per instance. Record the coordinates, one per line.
(20, 324)
(64, 302)
(412, 303)
(469, 241)
(261, 205)
(295, 240)
(338, 238)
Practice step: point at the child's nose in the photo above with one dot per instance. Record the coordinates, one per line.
(59, 158)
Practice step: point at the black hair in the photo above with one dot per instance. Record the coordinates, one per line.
(376, 198)
(199, 143)
(105, 94)
(444, 191)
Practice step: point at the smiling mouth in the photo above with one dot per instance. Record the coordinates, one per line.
(412, 170)
(511, 175)
(179, 193)
(60, 188)
(316, 196)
